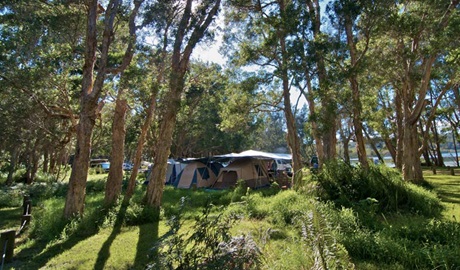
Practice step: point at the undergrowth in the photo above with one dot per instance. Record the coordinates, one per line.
(208, 244)
(377, 190)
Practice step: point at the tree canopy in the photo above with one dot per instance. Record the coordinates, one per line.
(377, 79)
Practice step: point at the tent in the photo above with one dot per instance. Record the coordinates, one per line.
(173, 170)
(196, 173)
(252, 170)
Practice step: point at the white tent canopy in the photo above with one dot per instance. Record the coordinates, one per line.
(256, 154)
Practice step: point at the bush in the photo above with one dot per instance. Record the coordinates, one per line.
(320, 235)
(11, 197)
(240, 190)
(48, 222)
(207, 245)
(286, 206)
(377, 190)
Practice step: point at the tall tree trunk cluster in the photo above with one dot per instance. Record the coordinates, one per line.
(90, 94)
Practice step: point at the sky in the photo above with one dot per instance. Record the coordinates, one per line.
(210, 53)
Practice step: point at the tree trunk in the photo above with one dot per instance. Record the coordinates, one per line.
(390, 146)
(179, 63)
(115, 178)
(400, 131)
(373, 146)
(313, 119)
(412, 169)
(75, 200)
(14, 154)
(162, 146)
(426, 156)
(356, 100)
(140, 148)
(439, 157)
(454, 140)
(141, 140)
(91, 91)
(326, 145)
(149, 118)
(46, 155)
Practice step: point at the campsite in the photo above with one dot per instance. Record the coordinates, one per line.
(229, 134)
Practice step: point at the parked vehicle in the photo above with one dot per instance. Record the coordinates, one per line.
(127, 166)
(103, 167)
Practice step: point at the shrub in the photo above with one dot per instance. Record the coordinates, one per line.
(207, 245)
(11, 197)
(96, 186)
(138, 214)
(240, 190)
(319, 234)
(376, 190)
(48, 222)
(287, 205)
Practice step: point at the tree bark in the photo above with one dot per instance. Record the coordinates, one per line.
(115, 178)
(373, 146)
(439, 157)
(46, 155)
(14, 154)
(400, 131)
(91, 91)
(140, 147)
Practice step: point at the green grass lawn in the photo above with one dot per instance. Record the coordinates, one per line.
(111, 248)
(448, 189)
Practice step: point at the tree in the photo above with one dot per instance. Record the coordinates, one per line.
(91, 90)
(40, 57)
(265, 43)
(192, 27)
(313, 50)
(115, 178)
(419, 32)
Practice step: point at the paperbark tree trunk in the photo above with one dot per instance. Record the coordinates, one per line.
(400, 129)
(14, 153)
(326, 145)
(140, 147)
(179, 64)
(292, 136)
(115, 178)
(356, 100)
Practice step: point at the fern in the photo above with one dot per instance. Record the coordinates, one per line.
(318, 233)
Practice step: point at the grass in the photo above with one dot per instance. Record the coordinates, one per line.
(125, 248)
(448, 189)
(11, 217)
(379, 241)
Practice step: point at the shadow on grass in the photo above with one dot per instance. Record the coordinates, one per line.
(104, 253)
(148, 235)
(27, 258)
(11, 218)
(449, 197)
